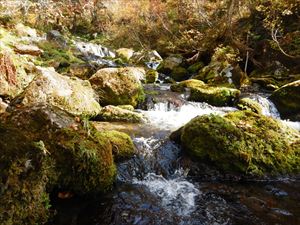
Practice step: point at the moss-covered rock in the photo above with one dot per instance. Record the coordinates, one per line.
(127, 107)
(42, 148)
(249, 104)
(195, 67)
(118, 86)
(223, 69)
(200, 92)
(151, 76)
(54, 55)
(169, 63)
(217, 96)
(117, 114)
(244, 142)
(179, 73)
(70, 94)
(125, 53)
(191, 83)
(287, 100)
(122, 145)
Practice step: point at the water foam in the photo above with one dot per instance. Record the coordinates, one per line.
(176, 194)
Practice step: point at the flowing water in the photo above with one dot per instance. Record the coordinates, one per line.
(160, 186)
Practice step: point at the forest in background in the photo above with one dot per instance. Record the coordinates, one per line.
(169, 26)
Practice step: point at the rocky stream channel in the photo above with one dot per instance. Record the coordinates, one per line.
(158, 186)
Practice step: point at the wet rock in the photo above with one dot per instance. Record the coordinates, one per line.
(243, 142)
(28, 49)
(287, 100)
(70, 94)
(249, 104)
(43, 147)
(200, 92)
(118, 86)
(117, 114)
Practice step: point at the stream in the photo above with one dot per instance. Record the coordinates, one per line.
(159, 185)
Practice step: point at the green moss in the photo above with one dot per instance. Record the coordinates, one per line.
(122, 145)
(245, 142)
(151, 76)
(127, 107)
(195, 67)
(53, 54)
(85, 161)
(179, 73)
(118, 86)
(191, 83)
(217, 96)
(249, 104)
(287, 99)
(116, 114)
(200, 92)
(47, 149)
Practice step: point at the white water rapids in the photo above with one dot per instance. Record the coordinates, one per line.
(177, 193)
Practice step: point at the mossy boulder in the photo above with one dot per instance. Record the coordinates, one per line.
(169, 63)
(43, 147)
(287, 100)
(243, 142)
(122, 145)
(223, 69)
(70, 94)
(191, 83)
(200, 92)
(151, 76)
(117, 114)
(179, 73)
(118, 86)
(250, 104)
(217, 96)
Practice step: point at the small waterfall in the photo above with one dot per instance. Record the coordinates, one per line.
(169, 117)
(269, 109)
(96, 54)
